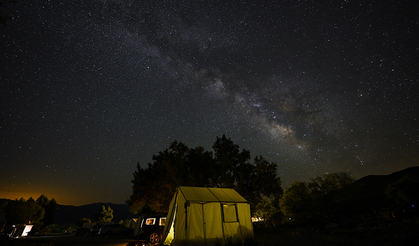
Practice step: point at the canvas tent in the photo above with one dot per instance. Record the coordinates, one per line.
(207, 216)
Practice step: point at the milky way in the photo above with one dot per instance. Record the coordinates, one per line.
(90, 89)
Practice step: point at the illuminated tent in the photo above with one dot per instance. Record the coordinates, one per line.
(206, 216)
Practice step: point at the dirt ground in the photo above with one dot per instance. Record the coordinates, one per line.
(392, 234)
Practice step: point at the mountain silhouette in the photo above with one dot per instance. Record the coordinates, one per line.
(376, 185)
(368, 194)
(381, 181)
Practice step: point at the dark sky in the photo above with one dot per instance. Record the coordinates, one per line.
(90, 88)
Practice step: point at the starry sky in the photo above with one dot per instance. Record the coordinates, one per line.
(90, 88)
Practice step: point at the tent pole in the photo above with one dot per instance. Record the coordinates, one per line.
(204, 224)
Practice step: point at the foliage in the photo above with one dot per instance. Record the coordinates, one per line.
(55, 228)
(328, 183)
(39, 213)
(22, 211)
(403, 192)
(227, 166)
(296, 201)
(404, 195)
(80, 222)
(154, 186)
(269, 212)
(321, 198)
(104, 214)
(50, 207)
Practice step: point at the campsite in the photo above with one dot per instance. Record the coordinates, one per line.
(396, 234)
(221, 216)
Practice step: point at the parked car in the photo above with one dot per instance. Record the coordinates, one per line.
(115, 229)
(95, 229)
(81, 231)
(152, 228)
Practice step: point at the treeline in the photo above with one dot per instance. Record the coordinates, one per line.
(337, 198)
(225, 166)
(318, 200)
(39, 213)
(105, 214)
(333, 197)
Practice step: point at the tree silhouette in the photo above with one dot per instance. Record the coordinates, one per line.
(50, 207)
(404, 195)
(322, 198)
(20, 212)
(104, 214)
(296, 201)
(269, 211)
(179, 165)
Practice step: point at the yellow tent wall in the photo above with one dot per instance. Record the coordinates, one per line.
(207, 216)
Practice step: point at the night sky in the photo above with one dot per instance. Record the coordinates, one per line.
(90, 88)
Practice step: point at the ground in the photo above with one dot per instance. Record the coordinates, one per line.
(392, 234)
(387, 234)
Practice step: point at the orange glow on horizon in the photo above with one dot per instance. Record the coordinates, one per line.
(61, 199)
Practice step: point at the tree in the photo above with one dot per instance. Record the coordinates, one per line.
(203, 174)
(22, 212)
(329, 195)
(404, 194)
(179, 165)
(153, 187)
(252, 181)
(296, 201)
(265, 180)
(322, 198)
(228, 160)
(38, 213)
(269, 211)
(401, 191)
(50, 207)
(328, 183)
(104, 214)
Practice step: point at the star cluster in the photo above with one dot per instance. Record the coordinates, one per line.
(90, 88)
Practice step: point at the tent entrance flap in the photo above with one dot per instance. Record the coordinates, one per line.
(171, 233)
(207, 216)
(168, 232)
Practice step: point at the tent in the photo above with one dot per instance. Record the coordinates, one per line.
(207, 216)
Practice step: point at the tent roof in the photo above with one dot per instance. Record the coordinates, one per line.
(203, 194)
